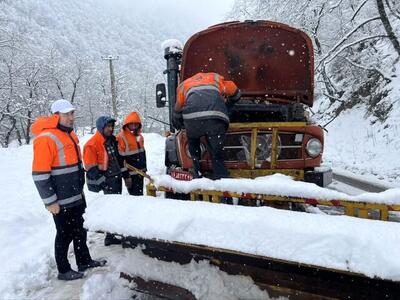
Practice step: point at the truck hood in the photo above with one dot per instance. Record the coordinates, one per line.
(265, 59)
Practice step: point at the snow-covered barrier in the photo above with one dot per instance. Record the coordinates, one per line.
(277, 185)
(342, 243)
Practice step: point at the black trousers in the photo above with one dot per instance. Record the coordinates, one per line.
(69, 225)
(214, 131)
(113, 185)
(137, 185)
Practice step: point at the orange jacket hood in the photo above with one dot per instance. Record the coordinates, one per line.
(133, 117)
(43, 123)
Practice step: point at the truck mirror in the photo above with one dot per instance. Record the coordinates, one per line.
(161, 99)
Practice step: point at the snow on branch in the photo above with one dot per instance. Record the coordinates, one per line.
(333, 56)
(381, 73)
(358, 9)
(334, 6)
(392, 7)
(345, 38)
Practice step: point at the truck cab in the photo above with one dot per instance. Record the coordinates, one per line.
(269, 132)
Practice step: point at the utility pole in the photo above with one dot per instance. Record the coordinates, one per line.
(145, 102)
(110, 59)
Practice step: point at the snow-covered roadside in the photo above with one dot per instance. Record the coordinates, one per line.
(27, 232)
(355, 145)
(28, 269)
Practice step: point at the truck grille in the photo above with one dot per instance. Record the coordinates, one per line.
(238, 146)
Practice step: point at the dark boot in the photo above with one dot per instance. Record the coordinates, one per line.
(92, 264)
(111, 239)
(70, 275)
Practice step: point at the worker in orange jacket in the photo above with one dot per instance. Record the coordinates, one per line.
(203, 103)
(59, 178)
(103, 164)
(131, 148)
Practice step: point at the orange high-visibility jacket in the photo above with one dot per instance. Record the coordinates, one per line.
(96, 160)
(94, 153)
(201, 82)
(131, 145)
(57, 168)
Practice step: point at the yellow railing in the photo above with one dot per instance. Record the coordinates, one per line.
(354, 209)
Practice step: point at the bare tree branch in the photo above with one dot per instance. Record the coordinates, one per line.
(369, 69)
(388, 27)
(358, 9)
(333, 56)
(345, 38)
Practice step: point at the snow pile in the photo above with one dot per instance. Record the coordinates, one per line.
(155, 149)
(26, 229)
(278, 185)
(104, 287)
(343, 243)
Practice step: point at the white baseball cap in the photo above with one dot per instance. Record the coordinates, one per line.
(62, 106)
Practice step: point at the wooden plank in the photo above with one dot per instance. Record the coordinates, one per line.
(158, 289)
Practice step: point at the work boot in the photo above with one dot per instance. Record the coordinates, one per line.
(70, 275)
(227, 200)
(92, 264)
(111, 239)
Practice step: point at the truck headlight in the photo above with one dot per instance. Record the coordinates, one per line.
(314, 147)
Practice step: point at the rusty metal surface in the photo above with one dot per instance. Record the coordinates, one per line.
(265, 59)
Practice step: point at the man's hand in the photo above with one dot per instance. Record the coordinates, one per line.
(54, 208)
(128, 182)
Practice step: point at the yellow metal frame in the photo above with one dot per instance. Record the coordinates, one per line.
(273, 127)
(353, 209)
(267, 124)
(297, 174)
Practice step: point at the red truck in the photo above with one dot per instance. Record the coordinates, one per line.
(270, 132)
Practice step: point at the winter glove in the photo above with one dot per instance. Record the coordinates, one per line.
(231, 101)
(54, 208)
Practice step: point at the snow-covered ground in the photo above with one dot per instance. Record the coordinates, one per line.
(27, 266)
(26, 249)
(355, 145)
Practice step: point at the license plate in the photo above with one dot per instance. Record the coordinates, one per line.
(181, 175)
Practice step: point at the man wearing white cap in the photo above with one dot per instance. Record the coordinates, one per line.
(59, 178)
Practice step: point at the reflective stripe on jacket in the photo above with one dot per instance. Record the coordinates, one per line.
(202, 97)
(131, 144)
(97, 162)
(57, 168)
(131, 148)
